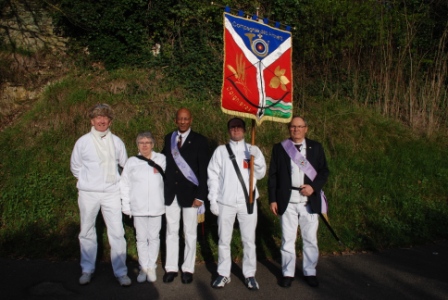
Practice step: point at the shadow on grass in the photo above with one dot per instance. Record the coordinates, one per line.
(41, 241)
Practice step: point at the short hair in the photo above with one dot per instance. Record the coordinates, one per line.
(236, 122)
(103, 110)
(143, 135)
(293, 117)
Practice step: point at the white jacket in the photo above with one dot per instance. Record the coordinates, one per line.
(85, 165)
(223, 183)
(141, 187)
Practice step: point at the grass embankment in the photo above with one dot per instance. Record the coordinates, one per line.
(388, 187)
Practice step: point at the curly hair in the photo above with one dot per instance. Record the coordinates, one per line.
(103, 110)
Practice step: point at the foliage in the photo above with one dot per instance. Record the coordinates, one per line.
(123, 33)
(381, 53)
(112, 31)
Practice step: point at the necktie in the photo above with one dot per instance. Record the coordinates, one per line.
(299, 146)
(179, 142)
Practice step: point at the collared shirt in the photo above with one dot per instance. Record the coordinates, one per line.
(184, 135)
(297, 178)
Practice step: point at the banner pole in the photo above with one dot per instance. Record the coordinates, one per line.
(250, 207)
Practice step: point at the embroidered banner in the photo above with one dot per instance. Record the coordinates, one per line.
(257, 73)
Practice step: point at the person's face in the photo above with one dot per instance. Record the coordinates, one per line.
(183, 120)
(101, 123)
(297, 130)
(145, 146)
(236, 133)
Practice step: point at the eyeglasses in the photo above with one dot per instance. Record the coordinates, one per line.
(297, 127)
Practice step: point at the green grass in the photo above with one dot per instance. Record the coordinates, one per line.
(387, 185)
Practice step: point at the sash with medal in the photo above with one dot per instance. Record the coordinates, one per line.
(305, 167)
(181, 163)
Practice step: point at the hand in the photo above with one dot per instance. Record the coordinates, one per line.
(274, 208)
(214, 208)
(255, 151)
(197, 203)
(307, 190)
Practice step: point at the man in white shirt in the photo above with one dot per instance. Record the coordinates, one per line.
(228, 201)
(94, 162)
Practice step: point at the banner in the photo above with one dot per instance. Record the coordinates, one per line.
(257, 73)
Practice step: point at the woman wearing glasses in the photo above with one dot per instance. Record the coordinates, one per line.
(142, 194)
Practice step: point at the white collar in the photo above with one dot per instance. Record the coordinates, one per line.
(184, 134)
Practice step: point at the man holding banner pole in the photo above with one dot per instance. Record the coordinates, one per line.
(298, 171)
(187, 156)
(228, 183)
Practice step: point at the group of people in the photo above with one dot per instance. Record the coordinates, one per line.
(177, 181)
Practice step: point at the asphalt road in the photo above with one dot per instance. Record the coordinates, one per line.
(408, 273)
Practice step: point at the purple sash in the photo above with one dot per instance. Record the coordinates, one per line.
(181, 163)
(324, 203)
(306, 168)
(299, 159)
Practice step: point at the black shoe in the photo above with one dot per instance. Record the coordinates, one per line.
(187, 277)
(286, 281)
(169, 277)
(312, 281)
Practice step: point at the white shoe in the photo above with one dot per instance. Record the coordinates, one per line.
(124, 280)
(220, 282)
(85, 278)
(151, 275)
(141, 276)
(252, 284)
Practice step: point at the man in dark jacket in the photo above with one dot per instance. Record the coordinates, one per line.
(297, 173)
(187, 156)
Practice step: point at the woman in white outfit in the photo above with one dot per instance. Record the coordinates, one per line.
(142, 197)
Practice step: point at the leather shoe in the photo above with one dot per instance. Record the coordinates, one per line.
(169, 277)
(187, 277)
(286, 281)
(312, 281)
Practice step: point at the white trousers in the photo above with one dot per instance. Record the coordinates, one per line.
(148, 240)
(248, 224)
(110, 204)
(299, 214)
(190, 225)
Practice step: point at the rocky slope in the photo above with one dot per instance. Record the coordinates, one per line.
(31, 56)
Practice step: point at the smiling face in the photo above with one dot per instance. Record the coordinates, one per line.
(100, 123)
(183, 120)
(145, 146)
(298, 129)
